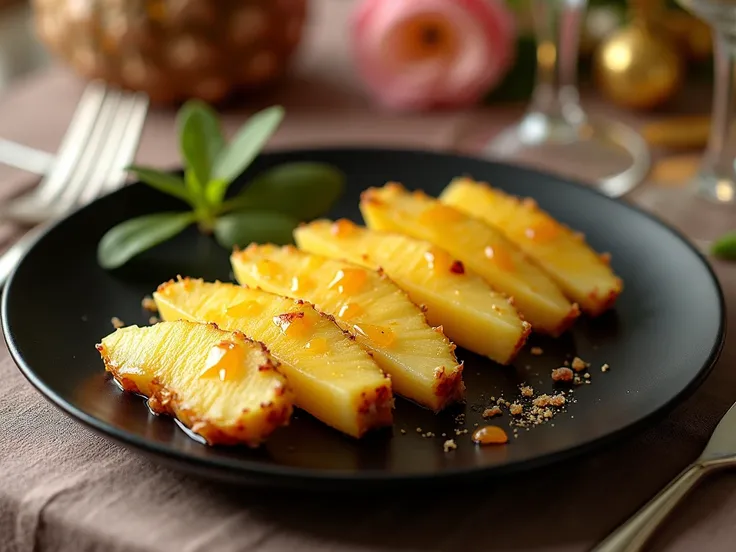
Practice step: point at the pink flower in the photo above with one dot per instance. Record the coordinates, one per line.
(422, 54)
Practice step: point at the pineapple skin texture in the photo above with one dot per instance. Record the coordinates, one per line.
(343, 387)
(164, 363)
(536, 296)
(420, 359)
(584, 276)
(476, 317)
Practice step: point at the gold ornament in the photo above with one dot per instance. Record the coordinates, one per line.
(638, 66)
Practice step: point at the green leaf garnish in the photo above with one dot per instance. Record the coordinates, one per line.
(163, 182)
(200, 139)
(126, 240)
(240, 229)
(267, 210)
(247, 144)
(725, 247)
(303, 190)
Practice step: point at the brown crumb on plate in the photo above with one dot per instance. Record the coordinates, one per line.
(605, 368)
(562, 374)
(149, 304)
(117, 323)
(578, 364)
(536, 351)
(527, 391)
(491, 412)
(449, 445)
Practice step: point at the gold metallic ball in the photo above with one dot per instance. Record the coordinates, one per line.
(637, 68)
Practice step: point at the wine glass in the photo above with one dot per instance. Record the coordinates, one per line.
(706, 207)
(556, 134)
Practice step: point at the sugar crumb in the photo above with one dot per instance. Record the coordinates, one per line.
(516, 409)
(578, 364)
(449, 445)
(149, 304)
(491, 412)
(562, 374)
(527, 391)
(605, 368)
(537, 351)
(117, 323)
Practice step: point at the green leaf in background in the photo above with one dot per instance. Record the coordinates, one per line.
(129, 238)
(200, 138)
(725, 246)
(240, 229)
(214, 193)
(303, 190)
(163, 182)
(194, 188)
(247, 144)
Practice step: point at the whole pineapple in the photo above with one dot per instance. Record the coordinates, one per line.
(175, 49)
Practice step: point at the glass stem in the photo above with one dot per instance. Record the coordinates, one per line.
(718, 176)
(557, 27)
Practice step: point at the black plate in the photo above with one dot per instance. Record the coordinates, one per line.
(660, 341)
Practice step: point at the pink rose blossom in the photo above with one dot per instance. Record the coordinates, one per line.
(422, 54)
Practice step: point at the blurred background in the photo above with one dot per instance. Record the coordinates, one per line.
(88, 36)
(20, 51)
(647, 64)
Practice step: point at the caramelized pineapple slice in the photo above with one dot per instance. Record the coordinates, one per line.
(479, 246)
(333, 378)
(469, 311)
(368, 305)
(222, 385)
(584, 276)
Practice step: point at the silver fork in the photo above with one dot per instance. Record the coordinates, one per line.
(105, 127)
(719, 453)
(101, 141)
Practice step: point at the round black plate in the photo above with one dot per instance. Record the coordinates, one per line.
(660, 341)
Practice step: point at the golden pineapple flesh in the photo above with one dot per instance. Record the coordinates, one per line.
(479, 246)
(469, 311)
(368, 305)
(584, 276)
(333, 378)
(221, 385)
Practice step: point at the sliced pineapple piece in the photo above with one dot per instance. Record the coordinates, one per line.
(222, 385)
(584, 276)
(368, 305)
(333, 378)
(479, 246)
(470, 312)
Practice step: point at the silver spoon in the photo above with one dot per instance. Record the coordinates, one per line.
(720, 452)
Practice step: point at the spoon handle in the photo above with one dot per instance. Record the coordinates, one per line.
(634, 533)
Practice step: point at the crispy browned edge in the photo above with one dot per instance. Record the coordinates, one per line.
(376, 408)
(163, 400)
(605, 303)
(526, 332)
(572, 315)
(602, 304)
(449, 386)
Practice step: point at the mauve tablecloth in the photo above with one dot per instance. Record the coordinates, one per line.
(64, 488)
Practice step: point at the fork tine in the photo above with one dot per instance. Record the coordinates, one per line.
(129, 144)
(110, 159)
(98, 137)
(73, 143)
